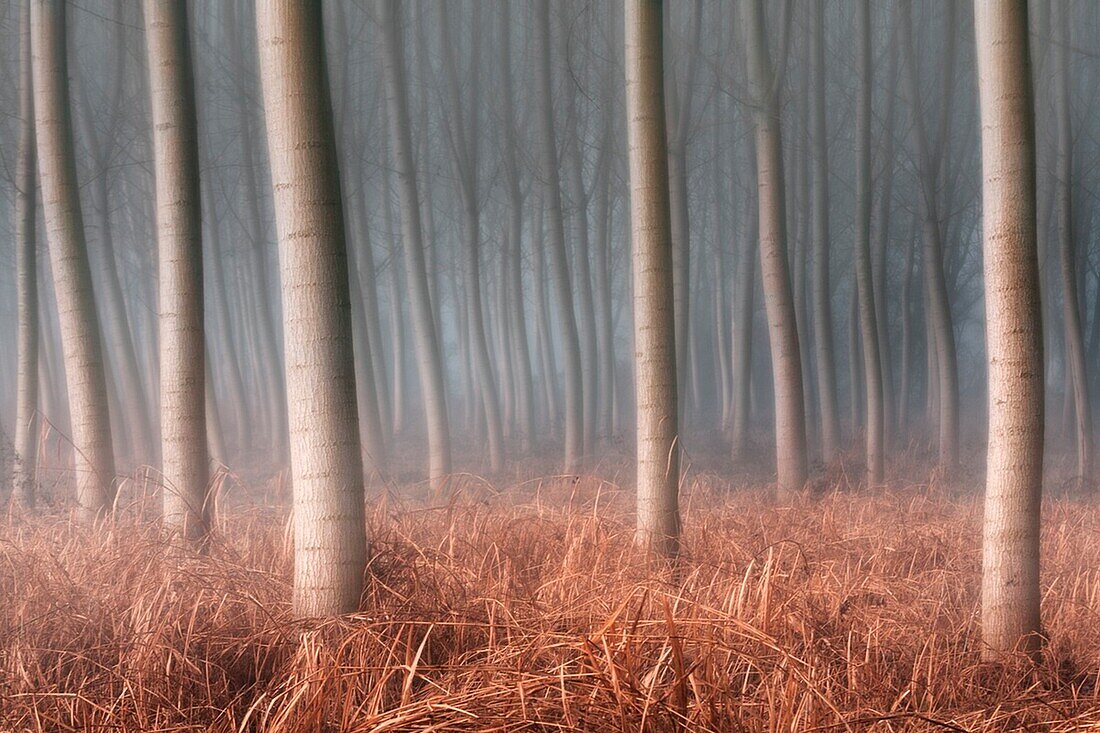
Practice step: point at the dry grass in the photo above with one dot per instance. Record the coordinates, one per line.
(528, 610)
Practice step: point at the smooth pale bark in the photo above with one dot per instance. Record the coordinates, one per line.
(26, 283)
(266, 302)
(1014, 462)
(1077, 372)
(938, 308)
(875, 431)
(555, 251)
(184, 462)
(658, 455)
(329, 524)
(823, 319)
(790, 423)
(80, 332)
(429, 358)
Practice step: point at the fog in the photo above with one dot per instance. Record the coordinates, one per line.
(476, 146)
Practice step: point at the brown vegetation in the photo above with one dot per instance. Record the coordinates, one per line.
(528, 609)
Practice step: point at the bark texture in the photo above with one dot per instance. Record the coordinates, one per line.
(658, 461)
(1010, 554)
(184, 462)
(327, 470)
(80, 333)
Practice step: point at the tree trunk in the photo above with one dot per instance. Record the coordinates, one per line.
(428, 353)
(80, 332)
(1010, 556)
(823, 318)
(868, 328)
(790, 424)
(658, 461)
(559, 265)
(327, 470)
(743, 318)
(185, 471)
(525, 397)
(26, 399)
(464, 150)
(1076, 370)
(543, 335)
(938, 310)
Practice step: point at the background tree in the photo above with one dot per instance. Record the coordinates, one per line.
(80, 334)
(429, 358)
(790, 418)
(26, 399)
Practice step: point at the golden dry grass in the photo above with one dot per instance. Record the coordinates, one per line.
(528, 610)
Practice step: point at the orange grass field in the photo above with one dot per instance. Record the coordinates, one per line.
(526, 609)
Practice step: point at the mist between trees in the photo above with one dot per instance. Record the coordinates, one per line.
(383, 243)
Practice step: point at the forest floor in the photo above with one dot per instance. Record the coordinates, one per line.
(525, 608)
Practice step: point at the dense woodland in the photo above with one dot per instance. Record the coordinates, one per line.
(283, 279)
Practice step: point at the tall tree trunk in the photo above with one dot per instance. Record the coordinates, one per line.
(868, 328)
(26, 278)
(329, 523)
(823, 318)
(1076, 370)
(370, 420)
(543, 336)
(605, 338)
(1014, 463)
(266, 303)
(578, 217)
(743, 317)
(559, 265)
(184, 460)
(525, 396)
(397, 330)
(938, 310)
(80, 333)
(880, 249)
(906, 356)
(790, 423)
(464, 150)
(679, 112)
(658, 462)
(428, 354)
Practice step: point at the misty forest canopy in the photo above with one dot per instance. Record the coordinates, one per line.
(386, 243)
